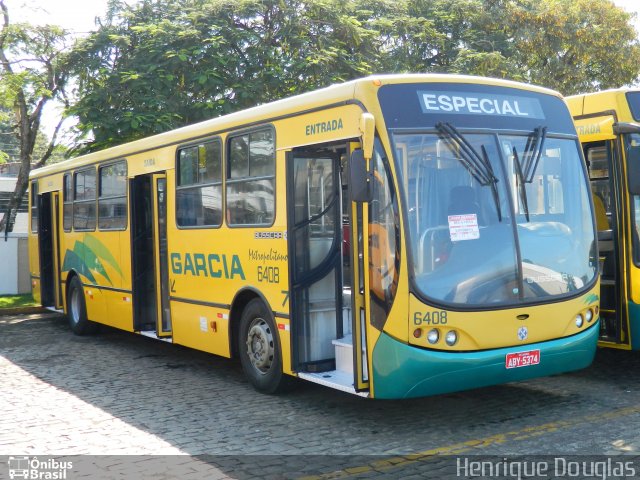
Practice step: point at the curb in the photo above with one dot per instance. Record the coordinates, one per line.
(4, 312)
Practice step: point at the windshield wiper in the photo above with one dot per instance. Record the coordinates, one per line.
(533, 152)
(469, 157)
(520, 179)
(479, 166)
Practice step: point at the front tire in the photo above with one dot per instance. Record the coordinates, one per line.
(77, 310)
(259, 348)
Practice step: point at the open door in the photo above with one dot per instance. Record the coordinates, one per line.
(49, 246)
(326, 265)
(603, 175)
(315, 239)
(163, 321)
(151, 314)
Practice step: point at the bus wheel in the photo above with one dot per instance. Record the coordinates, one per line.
(260, 349)
(77, 310)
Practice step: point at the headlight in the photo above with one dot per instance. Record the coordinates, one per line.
(451, 338)
(579, 320)
(588, 315)
(433, 336)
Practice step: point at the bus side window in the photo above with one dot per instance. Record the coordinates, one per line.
(251, 178)
(199, 185)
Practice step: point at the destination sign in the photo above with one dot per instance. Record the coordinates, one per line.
(472, 103)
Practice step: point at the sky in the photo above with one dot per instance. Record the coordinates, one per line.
(75, 15)
(79, 15)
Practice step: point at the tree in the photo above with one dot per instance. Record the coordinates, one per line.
(568, 45)
(162, 64)
(32, 74)
(10, 144)
(572, 46)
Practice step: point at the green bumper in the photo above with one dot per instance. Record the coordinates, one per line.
(634, 325)
(404, 371)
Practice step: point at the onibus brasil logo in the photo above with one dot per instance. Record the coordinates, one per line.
(34, 469)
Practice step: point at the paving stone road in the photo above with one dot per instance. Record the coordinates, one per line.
(117, 394)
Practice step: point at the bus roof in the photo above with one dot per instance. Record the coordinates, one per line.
(334, 94)
(595, 114)
(613, 100)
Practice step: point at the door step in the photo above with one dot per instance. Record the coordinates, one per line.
(344, 354)
(335, 379)
(153, 334)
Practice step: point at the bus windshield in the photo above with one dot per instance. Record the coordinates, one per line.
(495, 218)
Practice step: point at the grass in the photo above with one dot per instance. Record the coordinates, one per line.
(13, 301)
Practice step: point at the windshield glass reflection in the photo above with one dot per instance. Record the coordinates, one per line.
(495, 219)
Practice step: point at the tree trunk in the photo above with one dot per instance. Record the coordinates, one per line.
(15, 202)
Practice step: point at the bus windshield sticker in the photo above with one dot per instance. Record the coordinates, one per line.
(463, 227)
(480, 104)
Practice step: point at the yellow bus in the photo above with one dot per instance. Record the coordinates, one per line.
(394, 236)
(608, 125)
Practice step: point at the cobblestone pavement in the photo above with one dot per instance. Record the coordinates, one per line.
(117, 393)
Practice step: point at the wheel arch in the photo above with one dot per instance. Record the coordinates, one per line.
(240, 301)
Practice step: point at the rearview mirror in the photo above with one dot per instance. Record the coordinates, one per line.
(359, 177)
(367, 130)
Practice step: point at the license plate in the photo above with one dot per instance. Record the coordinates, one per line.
(522, 359)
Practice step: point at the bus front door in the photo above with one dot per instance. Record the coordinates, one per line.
(604, 175)
(49, 246)
(151, 314)
(315, 265)
(326, 270)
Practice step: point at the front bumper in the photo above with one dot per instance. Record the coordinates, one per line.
(404, 371)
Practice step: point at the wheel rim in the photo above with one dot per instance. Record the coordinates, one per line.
(75, 305)
(260, 347)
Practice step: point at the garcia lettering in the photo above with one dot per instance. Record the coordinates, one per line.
(207, 265)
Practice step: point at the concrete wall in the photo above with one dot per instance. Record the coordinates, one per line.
(14, 262)
(24, 278)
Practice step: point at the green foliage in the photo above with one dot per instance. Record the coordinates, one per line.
(15, 301)
(161, 64)
(571, 45)
(30, 50)
(166, 63)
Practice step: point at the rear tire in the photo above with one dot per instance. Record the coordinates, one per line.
(259, 348)
(77, 310)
